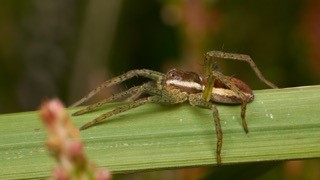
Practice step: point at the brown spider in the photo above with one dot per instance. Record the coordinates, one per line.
(180, 86)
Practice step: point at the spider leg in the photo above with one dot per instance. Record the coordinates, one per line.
(152, 99)
(206, 95)
(239, 93)
(134, 90)
(240, 57)
(134, 96)
(117, 111)
(197, 100)
(162, 96)
(154, 75)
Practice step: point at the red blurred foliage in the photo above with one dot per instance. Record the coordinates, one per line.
(311, 23)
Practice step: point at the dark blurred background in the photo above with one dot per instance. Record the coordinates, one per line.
(64, 48)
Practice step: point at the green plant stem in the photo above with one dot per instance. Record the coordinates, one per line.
(283, 124)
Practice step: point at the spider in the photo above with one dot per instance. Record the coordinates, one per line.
(179, 86)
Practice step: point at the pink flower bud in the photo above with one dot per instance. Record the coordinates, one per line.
(60, 174)
(51, 112)
(75, 148)
(102, 175)
(65, 146)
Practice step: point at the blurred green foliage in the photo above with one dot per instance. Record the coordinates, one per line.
(142, 40)
(39, 43)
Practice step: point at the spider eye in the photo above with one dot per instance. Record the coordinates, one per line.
(172, 74)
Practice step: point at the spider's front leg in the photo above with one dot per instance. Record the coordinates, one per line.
(118, 110)
(136, 95)
(159, 96)
(239, 57)
(133, 92)
(154, 75)
(197, 100)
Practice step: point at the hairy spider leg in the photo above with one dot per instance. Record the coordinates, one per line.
(117, 110)
(207, 92)
(239, 57)
(208, 65)
(146, 87)
(133, 97)
(136, 95)
(173, 97)
(234, 88)
(197, 100)
(154, 75)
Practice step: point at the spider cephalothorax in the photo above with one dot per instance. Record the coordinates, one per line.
(179, 86)
(185, 81)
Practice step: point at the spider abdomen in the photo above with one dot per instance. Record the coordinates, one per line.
(223, 94)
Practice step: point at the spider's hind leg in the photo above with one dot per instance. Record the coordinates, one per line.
(239, 57)
(238, 92)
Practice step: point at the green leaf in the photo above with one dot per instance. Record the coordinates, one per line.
(283, 124)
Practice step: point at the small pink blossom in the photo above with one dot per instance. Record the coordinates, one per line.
(64, 145)
(102, 175)
(59, 174)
